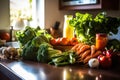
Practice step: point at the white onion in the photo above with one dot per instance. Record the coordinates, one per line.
(93, 63)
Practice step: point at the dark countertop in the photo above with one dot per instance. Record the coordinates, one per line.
(28, 70)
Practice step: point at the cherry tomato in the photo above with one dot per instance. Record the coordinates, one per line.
(64, 41)
(73, 41)
(53, 41)
(58, 41)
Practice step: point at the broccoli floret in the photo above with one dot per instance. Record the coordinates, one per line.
(43, 55)
(26, 35)
(30, 33)
(29, 52)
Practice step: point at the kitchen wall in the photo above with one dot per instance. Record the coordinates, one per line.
(4, 14)
(52, 14)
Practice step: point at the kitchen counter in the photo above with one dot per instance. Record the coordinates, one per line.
(29, 70)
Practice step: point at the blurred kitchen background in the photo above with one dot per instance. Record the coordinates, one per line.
(43, 13)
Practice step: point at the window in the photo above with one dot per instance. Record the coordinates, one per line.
(23, 13)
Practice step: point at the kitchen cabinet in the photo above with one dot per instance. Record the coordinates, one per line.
(99, 5)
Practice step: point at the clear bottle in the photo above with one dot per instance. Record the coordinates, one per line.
(68, 30)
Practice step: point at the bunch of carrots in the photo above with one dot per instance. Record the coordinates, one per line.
(85, 52)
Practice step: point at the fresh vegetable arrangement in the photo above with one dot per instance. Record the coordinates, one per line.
(85, 52)
(38, 45)
(86, 26)
(35, 45)
(30, 33)
(88, 54)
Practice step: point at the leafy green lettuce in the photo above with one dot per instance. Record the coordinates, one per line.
(86, 26)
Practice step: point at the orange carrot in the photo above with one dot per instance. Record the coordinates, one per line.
(80, 55)
(87, 59)
(92, 49)
(96, 54)
(83, 48)
(80, 45)
(75, 47)
(85, 54)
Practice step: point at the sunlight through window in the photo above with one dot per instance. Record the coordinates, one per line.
(22, 13)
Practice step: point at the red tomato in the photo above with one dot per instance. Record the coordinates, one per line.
(53, 41)
(73, 41)
(58, 41)
(5, 36)
(64, 41)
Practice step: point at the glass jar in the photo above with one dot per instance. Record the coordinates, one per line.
(68, 30)
(101, 41)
